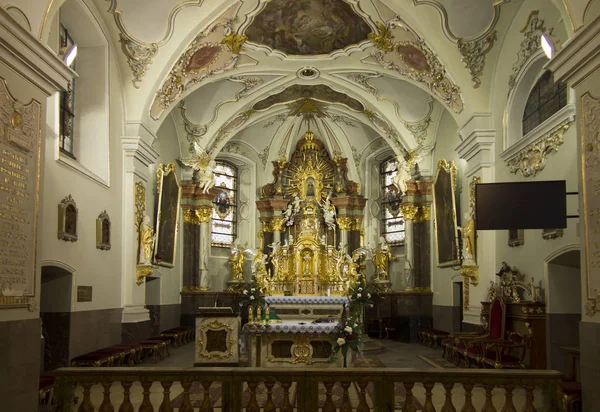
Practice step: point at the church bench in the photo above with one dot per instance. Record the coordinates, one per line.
(179, 336)
(155, 347)
(96, 359)
(188, 333)
(431, 337)
(132, 353)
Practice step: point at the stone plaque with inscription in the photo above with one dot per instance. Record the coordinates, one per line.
(84, 293)
(20, 151)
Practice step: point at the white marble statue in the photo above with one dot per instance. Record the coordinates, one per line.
(296, 203)
(201, 162)
(275, 246)
(288, 215)
(329, 214)
(405, 164)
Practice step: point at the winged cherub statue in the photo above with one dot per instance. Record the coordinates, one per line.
(407, 162)
(201, 162)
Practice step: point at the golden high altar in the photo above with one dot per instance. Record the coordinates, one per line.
(312, 216)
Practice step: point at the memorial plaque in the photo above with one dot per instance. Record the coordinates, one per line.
(20, 151)
(84, 293)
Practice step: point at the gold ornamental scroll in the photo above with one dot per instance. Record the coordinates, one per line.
(20, 155)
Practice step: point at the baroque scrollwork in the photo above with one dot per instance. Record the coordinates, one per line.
(533, 30)
(415, 60)
(139, 56)
(473, 52)
(531, 160)
(229, 127)
(383, 125)
(249, 83)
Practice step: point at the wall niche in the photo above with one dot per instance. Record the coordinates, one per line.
(103, 231)
(67, 219)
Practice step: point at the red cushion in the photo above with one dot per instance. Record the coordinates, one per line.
(92, 356)
(571, 388)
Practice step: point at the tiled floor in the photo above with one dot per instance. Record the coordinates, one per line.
(395, 355)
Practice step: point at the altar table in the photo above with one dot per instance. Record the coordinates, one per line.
(291, 344)
(307, 307)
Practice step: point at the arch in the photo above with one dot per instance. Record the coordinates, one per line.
(67, 268)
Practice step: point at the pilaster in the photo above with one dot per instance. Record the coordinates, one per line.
(478, 149)
(137, 157)
(578, 64)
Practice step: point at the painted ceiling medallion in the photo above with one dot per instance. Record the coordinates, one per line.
(413, 57)
(204, 56)
(317, 92)
(307, 27)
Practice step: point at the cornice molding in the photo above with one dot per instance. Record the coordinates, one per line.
(579, 57)
(529, 155)
(37, 62)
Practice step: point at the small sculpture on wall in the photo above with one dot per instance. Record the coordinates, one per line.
(103, 231)
(67, 219)
(146, 241)
(516, 237)
(550, 234)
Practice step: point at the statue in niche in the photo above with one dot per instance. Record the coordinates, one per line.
(310, 187)
(71, 220)
(146, 241)
(381, 260)
(105, 237)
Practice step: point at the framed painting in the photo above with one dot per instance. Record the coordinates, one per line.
(444, 204)
(167, 218)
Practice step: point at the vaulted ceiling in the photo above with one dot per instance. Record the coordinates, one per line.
(257, 73)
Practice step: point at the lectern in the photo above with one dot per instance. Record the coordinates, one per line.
(217, 334)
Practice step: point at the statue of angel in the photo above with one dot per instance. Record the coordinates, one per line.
(201, 162)
(288, 215)
(275, 246)
(296, 203)
(407, 162)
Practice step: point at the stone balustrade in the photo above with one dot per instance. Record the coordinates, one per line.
(309, 390)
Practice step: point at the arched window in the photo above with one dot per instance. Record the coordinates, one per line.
(67, 100)
(392, 221)
(224, 217)
(545, 99)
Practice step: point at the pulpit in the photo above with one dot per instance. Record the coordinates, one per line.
(217, 335)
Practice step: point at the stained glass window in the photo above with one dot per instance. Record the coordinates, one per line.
(224, 218)
(67, 101)
(545, 99)
(392, 221)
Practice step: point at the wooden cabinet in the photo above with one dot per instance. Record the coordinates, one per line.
(529, 319)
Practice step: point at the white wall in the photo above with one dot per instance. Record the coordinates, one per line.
(563, 289)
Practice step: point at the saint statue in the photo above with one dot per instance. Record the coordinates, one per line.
(468, 232)
(329, 213)
(381, 260)
(259, 270)
(146, 241)
(236, 260)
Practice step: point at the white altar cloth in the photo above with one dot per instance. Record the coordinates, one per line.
(289, 326)
(327, 300)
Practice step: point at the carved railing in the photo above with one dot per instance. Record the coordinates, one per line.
(445, 390)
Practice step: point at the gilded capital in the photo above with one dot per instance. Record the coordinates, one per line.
(277, 224)
(409, 212)
(423, 215)
(345, 223)
(204, 214)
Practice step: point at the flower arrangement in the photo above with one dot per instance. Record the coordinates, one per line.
(364, 295)
(251, 294)
(348, 337)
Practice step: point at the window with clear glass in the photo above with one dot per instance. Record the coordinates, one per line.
(392, 221)
(224, 217)
(545, 99)
(67, 100)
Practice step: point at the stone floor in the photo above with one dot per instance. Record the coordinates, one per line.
(395, 355)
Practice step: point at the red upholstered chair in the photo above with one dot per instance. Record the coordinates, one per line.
(471, 348)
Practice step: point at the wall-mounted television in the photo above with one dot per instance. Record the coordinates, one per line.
(521, 205)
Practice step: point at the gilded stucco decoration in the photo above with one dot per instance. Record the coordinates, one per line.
(532, 159)
(411, 57)
(473, 52)
(532, 31)
(203, 345)
(213, 51)
(139, 53)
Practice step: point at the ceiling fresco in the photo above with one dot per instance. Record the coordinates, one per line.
(307, 27)
(317, 92)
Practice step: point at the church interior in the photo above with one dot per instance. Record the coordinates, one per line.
(218, 205)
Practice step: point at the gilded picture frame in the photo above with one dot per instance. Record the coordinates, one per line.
(167, 217)
(444, 204)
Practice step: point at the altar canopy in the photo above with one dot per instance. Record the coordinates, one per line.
(312, 216)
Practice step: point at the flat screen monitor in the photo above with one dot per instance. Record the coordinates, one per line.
(521, 205)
